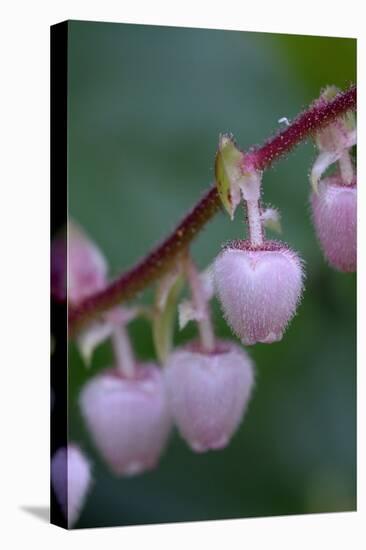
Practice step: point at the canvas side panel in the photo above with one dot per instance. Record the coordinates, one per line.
(59, 57)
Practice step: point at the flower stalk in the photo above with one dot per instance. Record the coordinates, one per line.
(346, 168)
(201, 305)
(254, 223)
(124, 357)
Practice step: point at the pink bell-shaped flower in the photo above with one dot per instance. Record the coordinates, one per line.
(208, 393)
(334, 209)
(76, 262)
(71, 479)
(128, 418)
(87, 267)
(259, 289)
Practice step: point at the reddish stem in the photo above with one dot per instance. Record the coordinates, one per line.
(161, 258)
(316, 117)
(150, 268)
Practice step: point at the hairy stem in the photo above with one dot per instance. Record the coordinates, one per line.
(346, 168)
(161, 258)
(254, 223)
(122, 349)
(306, 123)
(200, 303)
(158, 262)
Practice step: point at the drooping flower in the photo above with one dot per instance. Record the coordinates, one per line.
(71, 480)
(78, 267)
(209, 392)
(259, 289)
(128, 418)
(334, 142)
(87, 267)
(334, 209)
(334, 198)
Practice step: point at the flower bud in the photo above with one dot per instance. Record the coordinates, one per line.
(70, 478)
(334, 210)
(87, 269)
(128, 418)
(208, 393)
(259, 289)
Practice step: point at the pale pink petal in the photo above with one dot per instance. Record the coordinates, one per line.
(259, 289)
(71, 480)
(209, 393)
(128, 419)
(87, 267)
(335, 218)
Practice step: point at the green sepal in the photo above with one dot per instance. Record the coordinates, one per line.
(165, 314)
(227, 172)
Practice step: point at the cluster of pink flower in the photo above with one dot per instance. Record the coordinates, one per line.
(205, 386)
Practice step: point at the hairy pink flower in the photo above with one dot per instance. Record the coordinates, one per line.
(334, 210)
(87, 267)
(259, 289)
(71, 479)
(128, 418)
(208, 393)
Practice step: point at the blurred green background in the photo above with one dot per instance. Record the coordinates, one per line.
(146, 106)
